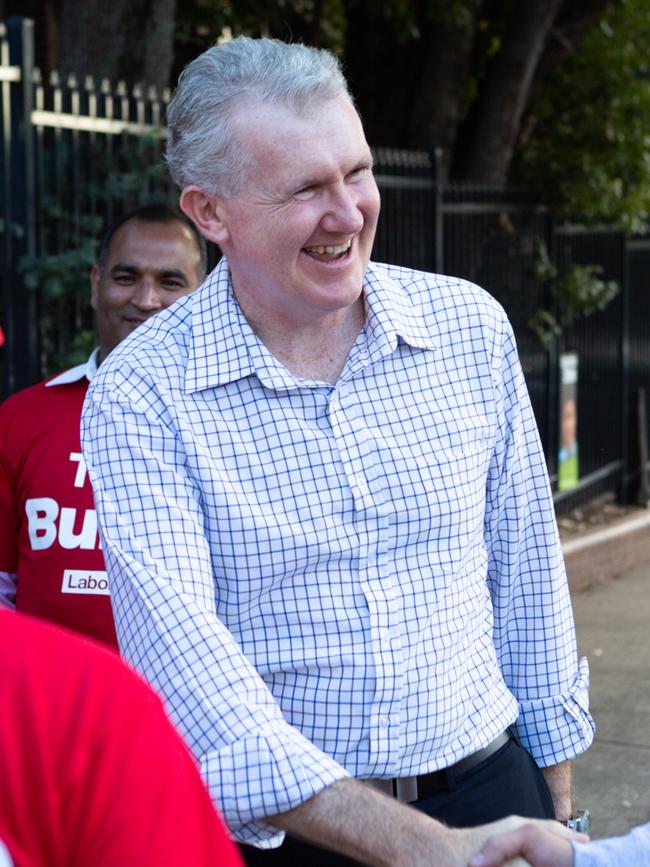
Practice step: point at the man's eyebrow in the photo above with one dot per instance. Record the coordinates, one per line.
(166, 273)
(124, 266)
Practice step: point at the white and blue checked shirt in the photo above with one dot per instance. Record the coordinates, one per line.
(362, 579)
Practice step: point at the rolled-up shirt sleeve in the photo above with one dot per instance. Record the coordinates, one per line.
(165, 600)
(534, 631)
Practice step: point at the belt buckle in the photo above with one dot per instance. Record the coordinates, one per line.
(406, 789)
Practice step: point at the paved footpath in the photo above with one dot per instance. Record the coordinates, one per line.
(612, 611)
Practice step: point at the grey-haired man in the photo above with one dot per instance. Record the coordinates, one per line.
(326, 516)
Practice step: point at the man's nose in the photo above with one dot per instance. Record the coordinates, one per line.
(147, 296)
(344, 214)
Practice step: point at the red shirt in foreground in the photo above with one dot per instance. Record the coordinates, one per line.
(92, 772)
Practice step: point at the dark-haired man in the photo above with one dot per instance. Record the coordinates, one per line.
(51, 564)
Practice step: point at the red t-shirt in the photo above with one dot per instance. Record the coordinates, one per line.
(48, 524)
(92, 772)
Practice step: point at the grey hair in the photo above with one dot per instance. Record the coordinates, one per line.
(202, 147)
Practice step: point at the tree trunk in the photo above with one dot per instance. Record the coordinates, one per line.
(129, 40)
(440, 88)
(492, 128)
(574, 21)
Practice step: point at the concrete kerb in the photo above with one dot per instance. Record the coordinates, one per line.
(597, 556)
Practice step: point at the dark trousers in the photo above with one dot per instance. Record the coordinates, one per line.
(507, 782)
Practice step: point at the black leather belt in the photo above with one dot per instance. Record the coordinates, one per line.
(407, 789)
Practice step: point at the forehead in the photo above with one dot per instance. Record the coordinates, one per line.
(284, 142)
(143, 244)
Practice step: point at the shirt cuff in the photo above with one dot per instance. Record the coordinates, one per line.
(557, 728)
(263, 775)
(8, 584)
(631, 850)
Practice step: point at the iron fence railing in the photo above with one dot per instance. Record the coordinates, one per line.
(76, 154)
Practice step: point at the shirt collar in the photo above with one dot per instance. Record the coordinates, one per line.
(392, 314)
(224, 348)
(218, 352)
(88, 369)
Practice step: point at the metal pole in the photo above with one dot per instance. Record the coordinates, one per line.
(437, 173)
(6, 311)
(643, 492)
(23, 344)
(552, 373)
(625, 434)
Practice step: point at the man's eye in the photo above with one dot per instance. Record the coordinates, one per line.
(358, 174)
(305, 193)
(173, 285)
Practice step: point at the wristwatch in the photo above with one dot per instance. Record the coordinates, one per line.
(580, 823)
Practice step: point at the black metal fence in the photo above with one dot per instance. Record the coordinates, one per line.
(76, 154)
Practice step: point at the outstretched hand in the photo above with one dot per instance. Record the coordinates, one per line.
(540, 843)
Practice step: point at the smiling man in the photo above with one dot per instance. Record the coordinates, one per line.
(51, 564)
(324, 504)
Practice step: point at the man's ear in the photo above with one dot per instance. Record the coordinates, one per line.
(205, 212)
(94, 285)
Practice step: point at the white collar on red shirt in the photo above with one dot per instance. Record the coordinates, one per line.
(74, 374)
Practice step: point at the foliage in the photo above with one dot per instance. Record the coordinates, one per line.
(59, 275)
(577, 292)
(11, 228)
(201, 23)
(589, 154)
(70, 231)
(76, 352)
(62, 282)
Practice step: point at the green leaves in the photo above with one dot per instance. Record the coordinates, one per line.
(14, 229)
(589, 153)
(60, 274)
(72, 221)
(577, 292)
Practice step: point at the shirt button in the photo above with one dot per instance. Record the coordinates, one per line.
(384, 721)
(386, 635)
(361, 485)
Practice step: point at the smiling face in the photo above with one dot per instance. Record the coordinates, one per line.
(298, 236)
(148, 267)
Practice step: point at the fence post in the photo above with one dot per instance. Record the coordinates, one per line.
(437, 173)
(643, 489)
(552, 370)
(22, 350)
(5, 213)
(624, 350)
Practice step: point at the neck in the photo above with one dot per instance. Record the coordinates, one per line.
(315, 350)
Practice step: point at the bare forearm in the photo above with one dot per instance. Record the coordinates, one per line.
(355, 820)
(558, 779)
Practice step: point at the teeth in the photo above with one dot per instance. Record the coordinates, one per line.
(340, 248)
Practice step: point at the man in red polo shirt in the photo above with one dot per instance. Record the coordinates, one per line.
(51, 564)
